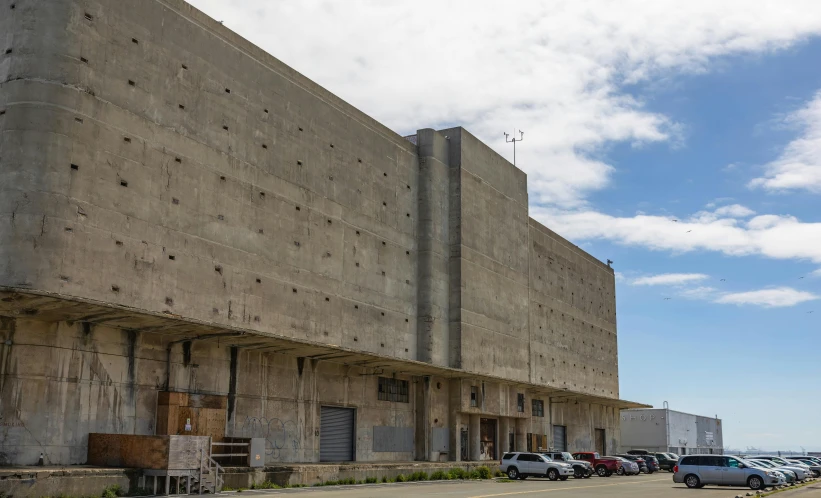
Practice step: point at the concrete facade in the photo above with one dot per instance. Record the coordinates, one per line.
(180, 211)
(665, 430)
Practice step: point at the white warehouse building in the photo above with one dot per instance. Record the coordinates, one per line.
(662, 429)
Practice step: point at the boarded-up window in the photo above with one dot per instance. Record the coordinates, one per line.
(393, 390)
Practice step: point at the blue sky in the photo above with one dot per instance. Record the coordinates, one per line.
(731, 117)
(680, 139)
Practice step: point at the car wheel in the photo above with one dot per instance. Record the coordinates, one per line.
(692, 481)
(755, 482)
(578, 473)
(620, 471)
(563, 478)
(552, 474)
(609, 473)
(650, 471)
(588, 475)
(601, 471)
(513, 473)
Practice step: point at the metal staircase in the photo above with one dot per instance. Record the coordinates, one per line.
(208, 479)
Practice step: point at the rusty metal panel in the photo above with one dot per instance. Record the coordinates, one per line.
(440, 439)
(392, 439)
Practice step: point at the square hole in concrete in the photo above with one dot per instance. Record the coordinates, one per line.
(88, 17)
(123, 183)
(131, 82)
(75, 167)
(84, 60)
(115, 288)
(135, 41)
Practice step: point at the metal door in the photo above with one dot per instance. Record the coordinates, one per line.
(464, 444)
(336, 436)
(559, 438)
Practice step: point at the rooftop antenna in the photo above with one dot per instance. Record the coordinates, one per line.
(514, 140)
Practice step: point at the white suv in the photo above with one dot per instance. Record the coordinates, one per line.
(519, 465)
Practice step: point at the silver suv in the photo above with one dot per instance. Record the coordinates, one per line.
(519, 465)
(696, 471)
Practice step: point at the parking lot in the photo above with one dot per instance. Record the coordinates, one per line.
(658, 485)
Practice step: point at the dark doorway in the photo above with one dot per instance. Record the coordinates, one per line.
(601, 442)
(464, 445)
(487, 439)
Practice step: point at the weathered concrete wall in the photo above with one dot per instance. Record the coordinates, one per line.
(155, 162)
(275, 207)
(572, 317)
(61, 381)
(493, 259)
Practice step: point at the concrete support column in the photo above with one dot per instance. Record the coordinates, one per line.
(422, 438)
(473, 438)
(521, 434)
(504, 436)
(454, 419)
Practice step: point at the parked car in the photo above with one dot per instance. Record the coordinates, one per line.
(666, 462)
(673, 456)
(815, 467)
(628, 468)
(802, 472)
(640, 461)
(521, 465)
(604, 466)
(696, 471)
(652, 463)
(581, 468)
(789, 475)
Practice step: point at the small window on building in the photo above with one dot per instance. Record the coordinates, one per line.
(538, 408)
(393, 390)
(474, 396)
(521, 402)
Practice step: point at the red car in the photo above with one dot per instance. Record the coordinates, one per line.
(604, 466)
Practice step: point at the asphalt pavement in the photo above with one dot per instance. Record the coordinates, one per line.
(657, 485)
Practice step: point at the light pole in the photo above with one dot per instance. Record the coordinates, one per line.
(514, 140)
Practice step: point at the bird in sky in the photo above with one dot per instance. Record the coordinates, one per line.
(799, 278)
(723, 279)
(668, 298)
(688, 231)
(675, 221)
(810, 311)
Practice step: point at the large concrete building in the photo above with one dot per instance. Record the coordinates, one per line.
(662, 429)
(180, 212)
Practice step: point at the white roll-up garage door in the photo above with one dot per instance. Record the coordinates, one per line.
(336, 436)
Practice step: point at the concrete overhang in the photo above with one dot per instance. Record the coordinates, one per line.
(24, 303)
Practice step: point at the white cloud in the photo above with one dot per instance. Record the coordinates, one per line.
(770, 298)
(700, 293)
(799, 165)
(734, 211)
(556, 69)
(777, 237)
(670, 279)
(816, 273)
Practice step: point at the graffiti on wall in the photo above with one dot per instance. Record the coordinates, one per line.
(283, 438)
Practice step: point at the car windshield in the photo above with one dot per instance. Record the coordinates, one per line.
(547, 458)
(567, 456)
(765, 463)
(673, 456)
